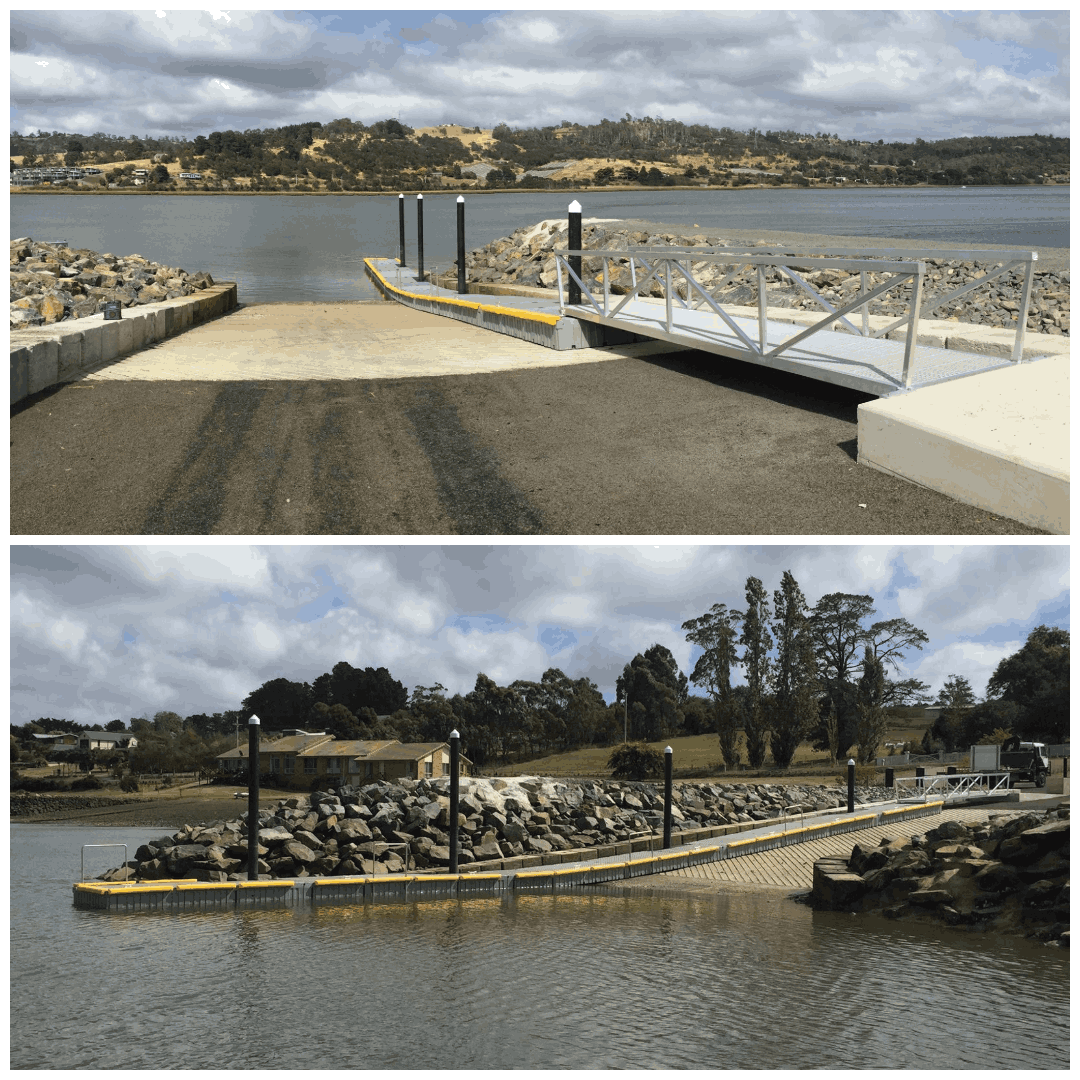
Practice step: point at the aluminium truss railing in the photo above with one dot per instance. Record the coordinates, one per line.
(949, 786)
(663, 265)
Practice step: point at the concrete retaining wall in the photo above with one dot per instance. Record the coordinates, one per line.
(43, 356)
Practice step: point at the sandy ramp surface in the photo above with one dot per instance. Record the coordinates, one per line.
(317, 341)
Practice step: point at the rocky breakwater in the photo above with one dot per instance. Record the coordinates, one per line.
(383, 828)
(1009, 875)
(51, 283)
(527, 258)
(32, 805)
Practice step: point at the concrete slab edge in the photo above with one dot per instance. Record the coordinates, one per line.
(963, 471)
(45, 356)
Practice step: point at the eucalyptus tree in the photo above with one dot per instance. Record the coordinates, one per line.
(794, 704)
(756, 663)
(840, 636)
(715, 633)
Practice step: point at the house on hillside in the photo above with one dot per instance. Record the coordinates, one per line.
(307, 758)
(107, 740)
(59, 739)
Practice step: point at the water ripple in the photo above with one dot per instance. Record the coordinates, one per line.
(596, 980)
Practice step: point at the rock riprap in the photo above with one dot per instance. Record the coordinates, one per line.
(526, 257)
(1010, 875)
(366, 830)
(51, 283)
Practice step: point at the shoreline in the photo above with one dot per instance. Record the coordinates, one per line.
(1055, 259)
(577, 189)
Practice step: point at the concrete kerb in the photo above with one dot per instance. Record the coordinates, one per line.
(538, 320)
(44, 356)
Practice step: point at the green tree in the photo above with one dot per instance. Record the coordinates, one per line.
(838, 635)
(655, 688)
(1036, 681)
(279, 703)
(636, 761)
(956, 700)
(493, 721)
(755, 660)
(891, 638)
(872, 716)
(115, 725)
(794, 674)
(433, 712)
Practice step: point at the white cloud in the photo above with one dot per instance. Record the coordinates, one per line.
(973, 660)
(900, 74)
(104, 631)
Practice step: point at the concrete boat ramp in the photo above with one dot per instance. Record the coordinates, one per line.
(975, 426)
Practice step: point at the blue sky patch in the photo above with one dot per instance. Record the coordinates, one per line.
(555, 638)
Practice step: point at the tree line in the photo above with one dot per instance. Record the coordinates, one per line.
(388, 154)
(825, 674)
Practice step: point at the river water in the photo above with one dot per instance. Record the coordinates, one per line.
(743, 979)
(285, 247)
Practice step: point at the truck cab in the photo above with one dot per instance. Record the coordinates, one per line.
(1025, 760)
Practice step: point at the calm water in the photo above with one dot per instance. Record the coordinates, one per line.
(309, 247)
(744, 980)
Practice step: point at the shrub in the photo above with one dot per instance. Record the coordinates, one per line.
(635, 761)
(129, 783)
(87, 783)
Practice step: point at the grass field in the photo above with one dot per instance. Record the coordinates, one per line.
(698, 757)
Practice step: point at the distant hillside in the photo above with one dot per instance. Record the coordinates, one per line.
(347, 155)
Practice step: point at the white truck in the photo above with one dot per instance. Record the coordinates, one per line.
(1021, 760)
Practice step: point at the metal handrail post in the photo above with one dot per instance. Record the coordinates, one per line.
(606, 289)
(912, 339)
(558, 279)
(1022, 314)
(82, 857)
(866, 307)
(667, 293)
(762, 309)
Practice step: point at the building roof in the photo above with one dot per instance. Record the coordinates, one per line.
(288, 744)
(107, 736)
(312, 746)
(347, 748)
(397, 751)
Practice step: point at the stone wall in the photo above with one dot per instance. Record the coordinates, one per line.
(37, 805)
(52, 283)
(363, 831)
(1008, 875)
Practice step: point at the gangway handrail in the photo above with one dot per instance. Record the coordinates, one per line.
(664, 259)
(82, 857)
(887, 260)
(949, 786)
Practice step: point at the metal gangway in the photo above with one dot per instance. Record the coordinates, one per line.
(950, 787)
(863, 358)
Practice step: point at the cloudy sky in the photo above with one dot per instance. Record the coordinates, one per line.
(888, 74)
(99, 633)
